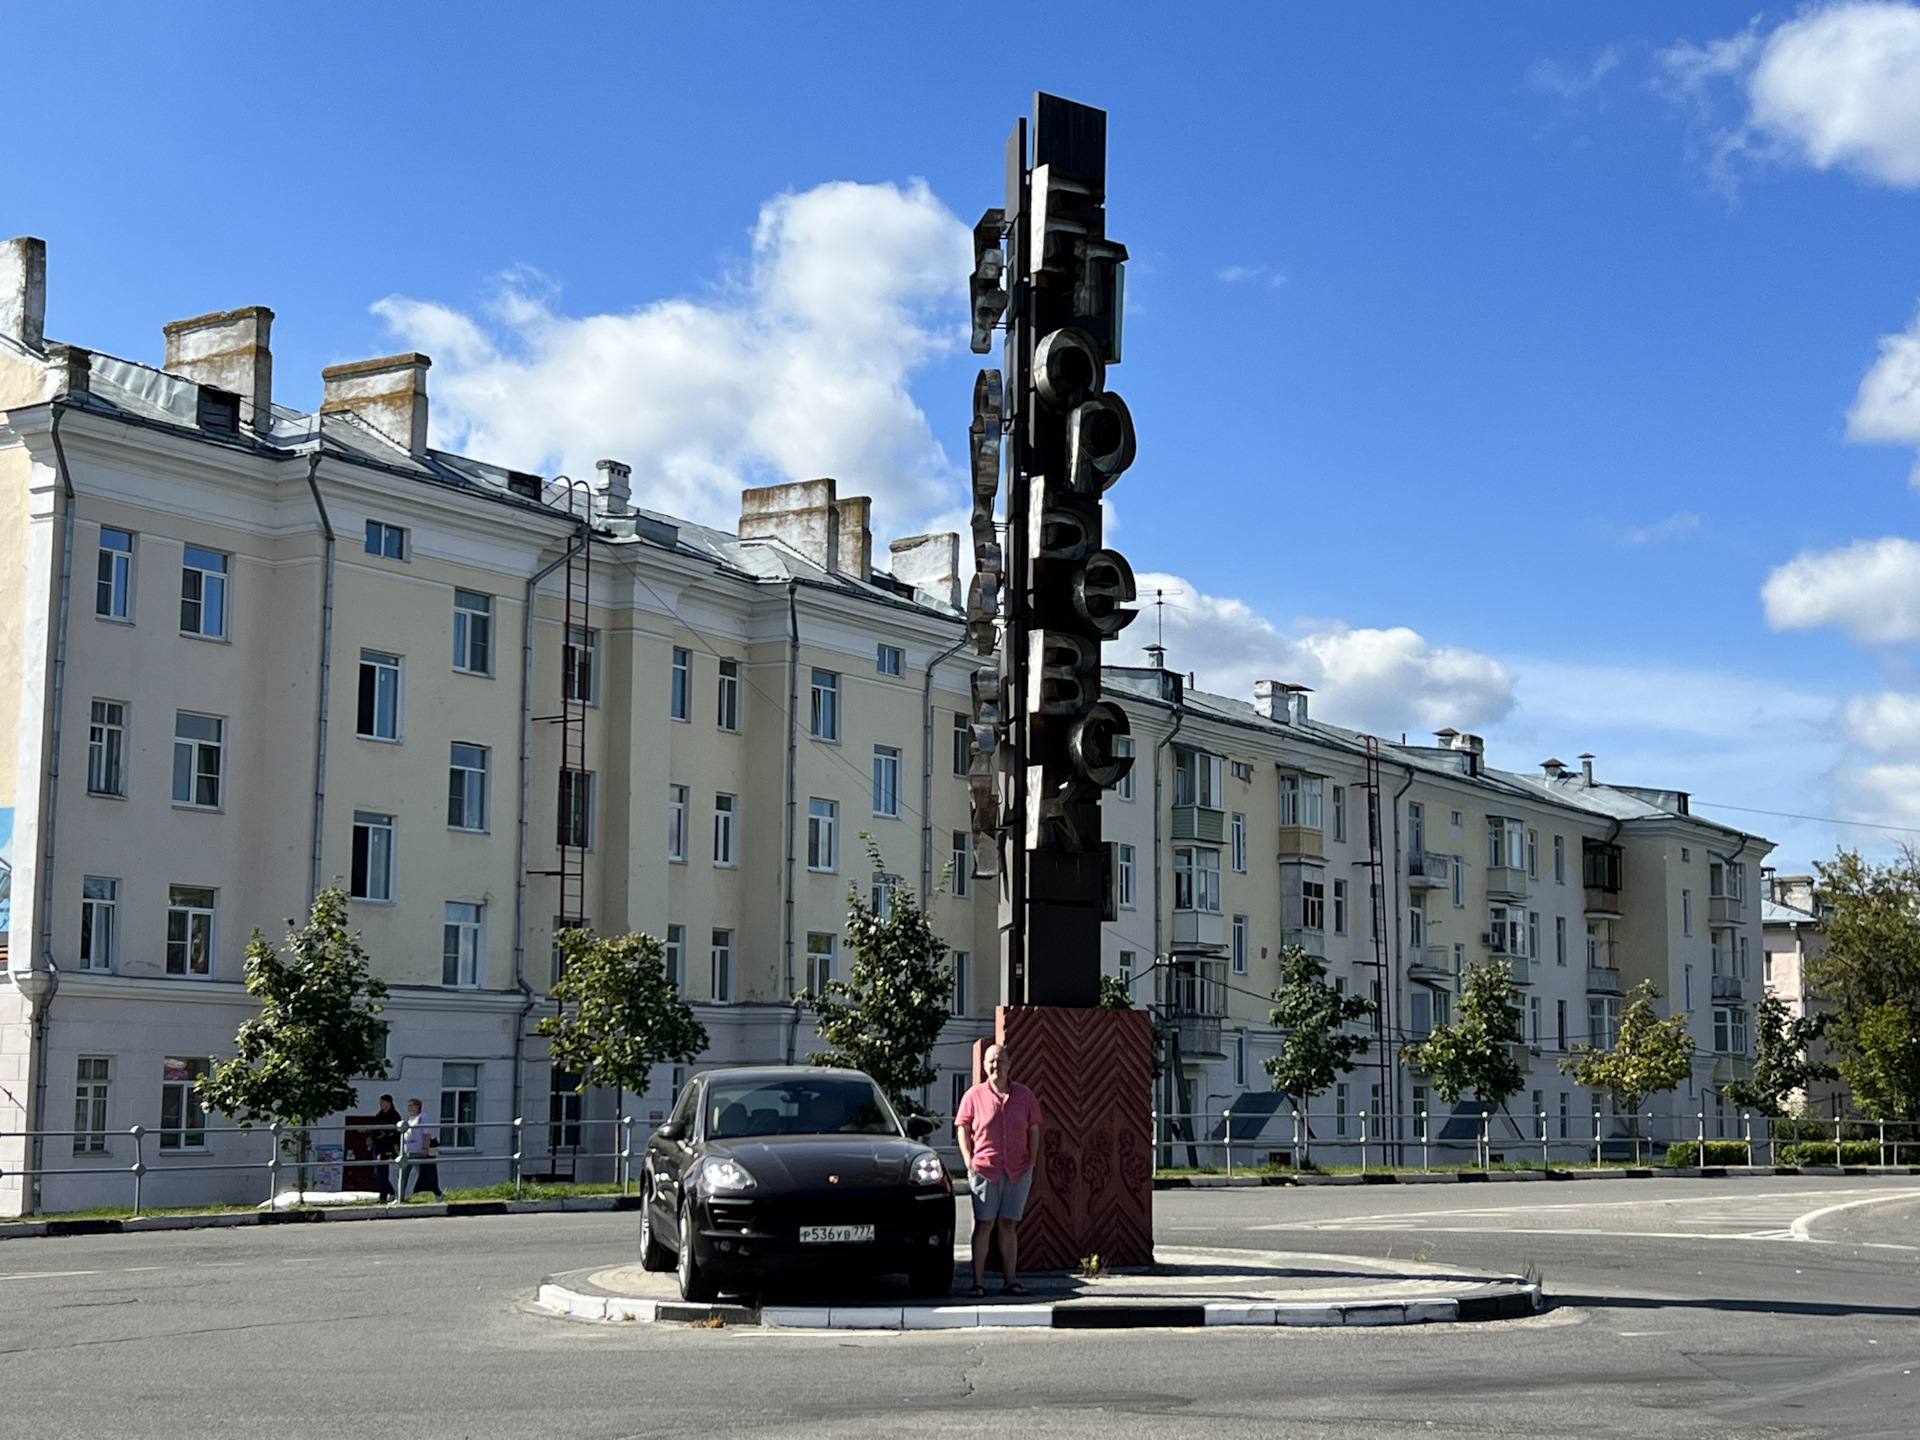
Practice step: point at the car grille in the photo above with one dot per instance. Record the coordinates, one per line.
(892, 1214)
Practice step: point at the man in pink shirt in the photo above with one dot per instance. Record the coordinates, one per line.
(999, 1128)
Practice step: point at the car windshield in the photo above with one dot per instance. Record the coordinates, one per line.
(816, 1105)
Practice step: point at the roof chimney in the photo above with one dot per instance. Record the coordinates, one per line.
(613, 488)
(23, 291)
(1156, 656)
(228, 350)
(856, 537)
(930, 563)
(1586, 766)
(1554, 768)
(803, 515)
(390, 394)
(1279, 701)
(1473, 747)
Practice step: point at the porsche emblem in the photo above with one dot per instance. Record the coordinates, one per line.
(833, 1179)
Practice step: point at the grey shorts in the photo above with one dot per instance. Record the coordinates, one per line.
(1002, 1199)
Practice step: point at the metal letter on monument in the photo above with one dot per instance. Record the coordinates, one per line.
(1046, 594)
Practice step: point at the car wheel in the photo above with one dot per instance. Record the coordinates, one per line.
(653, 1255)
(933, 1279)
(696, 1286)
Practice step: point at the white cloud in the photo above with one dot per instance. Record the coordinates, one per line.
(1837, 86)
(1870, 589)
(1554, 78)
(1235, 274)
(1886, 408)
(795, 368)
(1887, 723)
(1634, 537)
(1380, 680)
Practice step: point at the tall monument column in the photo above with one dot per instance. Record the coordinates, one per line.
(1046, 594)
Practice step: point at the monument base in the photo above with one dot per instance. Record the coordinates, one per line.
(1092, 1071)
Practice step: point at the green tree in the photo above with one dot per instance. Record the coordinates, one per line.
(1474, 1051)
(319, 1028)
(1316, 1048)
(1114, 993)
(885, 1017)
(1883, 1066)
(1780, 1064)
(619, 1013)
(1649, 1057)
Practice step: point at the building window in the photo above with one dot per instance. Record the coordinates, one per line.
(576, 810)
(1340, 1109)
(1416, 921)
(1313, 905)
(467, 786)
(1420, 1012)
(1559, 939)
(203, 593)
(727, 707)
(1603, 1021)
(1507, 930)
(189, 930)
(723, 831)
(580, 665)
(1686, 855)
(198, 748)
(107, 748)
(113, 595)
(821, 948)
(472, 632)
(379, 711)
(1124, 875)
(823, 715)
(677, 808)
(1686, 912)
(183, 1124)
(1687, 984)
(960, 1002)
(1300, 800)
(680, 694)
(1533, 1021)
(886, 660)
(99, 916)
(93, 1077)
(823, 834)
(886, 782)
(460, 946)
(1239, 843)
(962, 864)
(1239, 944)
(1457, 820)
(1742, 944)
(459, 1106)
(1126, 969)
(1196, 879)
(676, 958)
(1533, 935)
(1533, 854)
(1123, 745)
(1559, 859)
(1506, 843)
(962, 742)
(1240, 1059)
(1339, 812)
(372, 856)
(1340, 907)
(386, 541)
(1459, 883)
(723, 967)
(1196, 779)
(1560, 1024)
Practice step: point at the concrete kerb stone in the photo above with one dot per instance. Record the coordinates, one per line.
(227, 1219)
(1522, 1177)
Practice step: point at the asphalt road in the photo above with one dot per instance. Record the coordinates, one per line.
(1681, 1308)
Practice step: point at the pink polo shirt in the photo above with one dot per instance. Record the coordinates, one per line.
(998, 1125)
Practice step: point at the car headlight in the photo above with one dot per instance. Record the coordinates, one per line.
(929, 1169)
(724, 1177)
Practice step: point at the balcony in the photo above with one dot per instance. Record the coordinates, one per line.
(1199, 1037)
(1429, 872)
(1603, 980)
(1522, 973)
(1199, 929)
(1523, 1057)
(1195, 994)
(1314, 942)
(1603, 903)
(1435, 962)
(1197, 822)
(1302, 840)
(1726, 987)
(1725, 910)
(1506, 882)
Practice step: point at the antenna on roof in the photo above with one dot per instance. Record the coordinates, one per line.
(1160, 617)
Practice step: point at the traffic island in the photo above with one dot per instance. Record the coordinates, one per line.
(1187, 1288)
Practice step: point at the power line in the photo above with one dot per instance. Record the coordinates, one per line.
(1817, 819)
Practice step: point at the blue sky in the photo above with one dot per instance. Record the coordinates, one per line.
(1522, 368)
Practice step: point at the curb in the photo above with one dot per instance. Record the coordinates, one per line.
(227, 1219)
(1522, 1177)
(1517, 1302)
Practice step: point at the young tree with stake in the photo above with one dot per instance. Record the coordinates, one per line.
(1311, 1015)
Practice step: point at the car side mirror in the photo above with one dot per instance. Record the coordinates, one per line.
(919, 1127)
(674, 1130)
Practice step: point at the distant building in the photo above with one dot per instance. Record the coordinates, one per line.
(1791, 916)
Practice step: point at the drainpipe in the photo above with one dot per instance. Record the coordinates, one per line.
(42, 1001)
(926, 771)
(1159, 954)
(326, 677)
(1390, 1091)
(578, 543)
(793, 795)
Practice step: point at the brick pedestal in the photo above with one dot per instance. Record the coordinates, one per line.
(1092, 1071)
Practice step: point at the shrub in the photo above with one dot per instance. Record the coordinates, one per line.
(1852, 1152)
(1719, 1152)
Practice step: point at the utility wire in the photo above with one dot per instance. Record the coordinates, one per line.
(1817, 819)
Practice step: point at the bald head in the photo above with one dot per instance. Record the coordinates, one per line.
(998, 1064)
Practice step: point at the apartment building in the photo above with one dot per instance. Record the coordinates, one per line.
(1791, 916)
(250, 651)
(1246, 827)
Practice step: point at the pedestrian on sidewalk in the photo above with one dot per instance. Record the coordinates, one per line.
(418, 1142)
(999, 1128)
(384, 1140)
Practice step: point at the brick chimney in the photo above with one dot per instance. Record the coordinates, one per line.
(930, 563)
(390, 394)
(804, 515)
(23, 291)
(228, 350)
(613, 488)
(1277, 700)
(856, 536)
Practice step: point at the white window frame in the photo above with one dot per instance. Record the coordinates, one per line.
(962, 742)
(198, 920)
(674, 957)
(189, 1130)
(823, 835)
(373, 858)
(463, 952)
(726, 698)
(679, 818)
(1196, 879)
(1339, 898)
(888, 659)
(960, 1001)
(726, 814)
(962, 864)
(580, 665)
(823, 951)
(472, 632)
(107, 748)
(114, 577)
(886, 782)
(1125, 871)
(468, 786)
(99, 922)
(1686, 913)
(1559, 859)
(1313, 903)
(460, 1121)
(380, 675)
(389, 542)
(205, 573)
(823, 712)
(1339, 812)
(1239, 950)
(1123, 745)
(92, 1103)
(680, 686)
(194, 750)
(1559, 939)
(1238, 842)
(721, 977)
(1313, 789)
(575, 807)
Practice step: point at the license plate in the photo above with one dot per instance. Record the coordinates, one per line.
(836, 1234)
